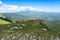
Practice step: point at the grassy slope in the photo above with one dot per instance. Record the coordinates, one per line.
(4, 22)
(54, 25)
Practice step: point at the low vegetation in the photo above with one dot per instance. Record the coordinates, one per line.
(28, 30)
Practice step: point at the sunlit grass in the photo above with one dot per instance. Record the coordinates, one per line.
(4, 22)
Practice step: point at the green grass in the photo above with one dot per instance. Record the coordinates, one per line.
(4, 22)
(53, 25)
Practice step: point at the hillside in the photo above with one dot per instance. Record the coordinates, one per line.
(4, 20)
(51, 19)
(36, 29)
(25, 29)
(28, 26)
(53, 25)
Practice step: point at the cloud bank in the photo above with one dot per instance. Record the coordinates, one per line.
(6, 8)
(13, 8)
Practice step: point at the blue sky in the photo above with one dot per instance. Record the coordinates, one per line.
(42, 5)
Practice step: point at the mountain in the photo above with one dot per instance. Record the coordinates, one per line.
(28, 14)
(16, 16)
(43, 15)
(50, 18)
(4, 20)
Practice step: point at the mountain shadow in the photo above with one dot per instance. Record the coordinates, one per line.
(6, 19)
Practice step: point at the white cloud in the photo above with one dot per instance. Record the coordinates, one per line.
(26, 8)
(9, 8)
(13, 8)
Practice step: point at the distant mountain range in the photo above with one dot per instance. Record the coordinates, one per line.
(29, 14)
(15, 16)
(42, 15)
(25, 15)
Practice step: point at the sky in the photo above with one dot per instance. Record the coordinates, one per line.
(36, 5)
